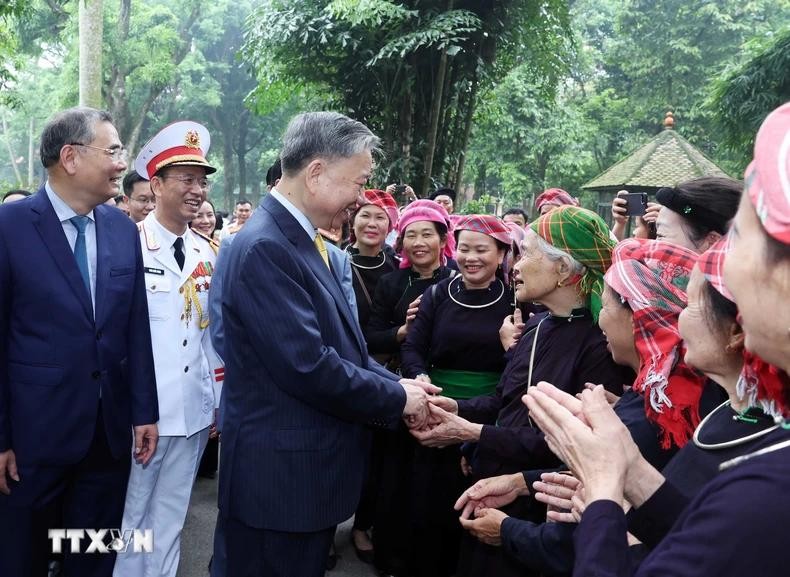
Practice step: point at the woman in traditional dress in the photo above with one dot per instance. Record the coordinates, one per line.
(425, 246)
(454, 342)
(371, 258)
(564, 257)
(734, 524)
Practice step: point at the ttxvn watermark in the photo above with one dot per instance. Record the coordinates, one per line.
(102, 540)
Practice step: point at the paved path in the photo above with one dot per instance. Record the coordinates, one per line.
(197, 539)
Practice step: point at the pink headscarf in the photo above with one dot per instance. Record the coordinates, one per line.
(554, 197)
(768, 175)
(426, 210)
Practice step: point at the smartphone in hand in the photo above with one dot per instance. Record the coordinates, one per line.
(635, 203)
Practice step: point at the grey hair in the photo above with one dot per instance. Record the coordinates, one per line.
(555, 254)
(74, 125)
(324, 135)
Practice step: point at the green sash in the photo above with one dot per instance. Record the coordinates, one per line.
(464, 384)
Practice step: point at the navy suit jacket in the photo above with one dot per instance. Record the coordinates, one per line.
(55, 358)
(299, 384)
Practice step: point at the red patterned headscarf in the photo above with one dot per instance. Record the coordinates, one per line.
(554, 197)
(485, 224)
(385, 202)
(760, 384)
(768, 176)
(431, 211)
(652, 276)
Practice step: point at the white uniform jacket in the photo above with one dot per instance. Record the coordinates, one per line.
(189, 373)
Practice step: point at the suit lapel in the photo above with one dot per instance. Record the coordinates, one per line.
(305, 247)
(104, 235)
(51, 231)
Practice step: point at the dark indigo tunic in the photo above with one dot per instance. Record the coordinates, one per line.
(394, 292)
(447, 335)
(569, 351)
(735, 526)
(367, 271)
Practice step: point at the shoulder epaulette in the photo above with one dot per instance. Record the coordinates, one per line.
(213, 243)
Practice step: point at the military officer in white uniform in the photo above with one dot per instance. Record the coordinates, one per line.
(178, 264)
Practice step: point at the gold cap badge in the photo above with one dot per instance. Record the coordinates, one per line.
(192, 139)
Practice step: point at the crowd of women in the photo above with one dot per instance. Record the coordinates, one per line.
(608, 407)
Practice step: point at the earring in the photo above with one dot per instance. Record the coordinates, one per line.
(559, 284)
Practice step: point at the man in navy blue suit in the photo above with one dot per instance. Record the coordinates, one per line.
(77, 387)
(300, 388)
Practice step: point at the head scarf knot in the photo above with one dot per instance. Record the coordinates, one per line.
(583, 235)
(652, 276)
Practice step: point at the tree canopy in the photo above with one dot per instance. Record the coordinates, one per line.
(499, 99)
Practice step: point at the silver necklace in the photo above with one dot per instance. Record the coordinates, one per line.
(726, 444)
(738, 460)
(459, 303)
(381, 264)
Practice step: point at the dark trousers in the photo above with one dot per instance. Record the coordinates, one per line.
(260, 552)
(89, 494)
(366, 510)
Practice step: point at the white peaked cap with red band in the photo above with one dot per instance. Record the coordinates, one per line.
(182, 143)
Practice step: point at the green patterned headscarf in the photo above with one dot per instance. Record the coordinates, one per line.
(583, 235)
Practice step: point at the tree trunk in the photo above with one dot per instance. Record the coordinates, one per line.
(30, 152)
(405, 127)
(447, 110)
(229, 182)
(11, 155)
(470, 112)
(91, 32)
(241, 158)
(434, 123)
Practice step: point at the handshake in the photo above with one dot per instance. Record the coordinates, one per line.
(417, 412)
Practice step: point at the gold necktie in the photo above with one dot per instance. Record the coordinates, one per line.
(319, 244)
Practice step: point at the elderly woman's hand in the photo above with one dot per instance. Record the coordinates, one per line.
(486, 526)
(610, 397)
(446, 429)
(563, 495)
(491, 492)
(511, 329)
(593, 442)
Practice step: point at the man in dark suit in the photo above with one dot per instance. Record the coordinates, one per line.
(300, 388)
(77, 381)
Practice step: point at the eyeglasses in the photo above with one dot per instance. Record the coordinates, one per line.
(117, 153)
(144, 200)
(190, 181)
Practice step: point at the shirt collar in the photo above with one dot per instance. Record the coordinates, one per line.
(168, 238)
(63, 210)
(295, 212)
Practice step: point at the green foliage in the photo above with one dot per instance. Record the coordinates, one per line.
(379, 61)
(10, 11)
(524, 143)
(744, 94)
